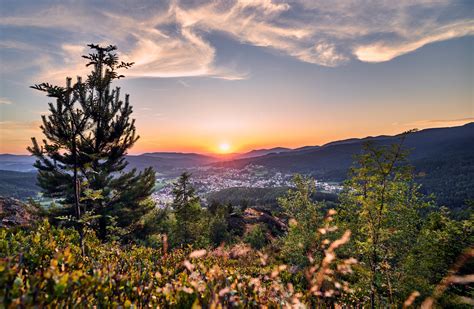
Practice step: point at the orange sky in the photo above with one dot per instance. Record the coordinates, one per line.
(242, 143)
(16, 137)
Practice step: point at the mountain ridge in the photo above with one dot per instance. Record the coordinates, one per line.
(261, 151)
(445, 156)
(450, 133)
(333, 153)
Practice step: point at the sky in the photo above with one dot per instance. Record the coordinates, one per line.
(231, 76)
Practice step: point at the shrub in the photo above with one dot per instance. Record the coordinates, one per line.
(256, 236)
(45, 268)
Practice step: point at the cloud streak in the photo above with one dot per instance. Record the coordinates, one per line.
(385, 51)
(437, 122)
(5, 101)
(172, 39)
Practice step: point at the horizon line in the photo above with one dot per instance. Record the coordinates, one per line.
(217, 154)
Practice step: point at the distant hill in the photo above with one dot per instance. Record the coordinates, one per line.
(261, 152)
(20, 185)
(306, 148)
(178, 155)
(166, 162)
(160, 161)
(331, 160)
(445, 156)
(19, 163)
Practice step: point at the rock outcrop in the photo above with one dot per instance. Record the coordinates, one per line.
(240, 223)
(16, 213)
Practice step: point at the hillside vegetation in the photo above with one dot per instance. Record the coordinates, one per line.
(20, 185)
(443, 159)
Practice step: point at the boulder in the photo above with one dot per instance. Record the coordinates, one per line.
(16, 213)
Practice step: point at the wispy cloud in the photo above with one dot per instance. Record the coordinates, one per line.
(429, 123)
(183, 83)
(385, 51)
(172, 39)
(5, 101)
(20, 125)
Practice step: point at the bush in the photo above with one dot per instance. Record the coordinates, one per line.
(256, 237)
(45, 268)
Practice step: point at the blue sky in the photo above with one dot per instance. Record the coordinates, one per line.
(248, 73)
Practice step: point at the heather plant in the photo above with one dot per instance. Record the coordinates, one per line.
(256, 236)
(44, 267)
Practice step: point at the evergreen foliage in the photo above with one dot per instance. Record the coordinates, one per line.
(438, 245)
(188, 212)
(218, 227)
(255, 237)
(82, 158)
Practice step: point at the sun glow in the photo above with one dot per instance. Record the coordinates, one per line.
(224, 147)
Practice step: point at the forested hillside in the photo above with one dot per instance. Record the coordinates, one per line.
(20, 185)
(443, 160)
(260, 196)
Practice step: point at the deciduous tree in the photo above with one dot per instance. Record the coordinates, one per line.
(381, 206)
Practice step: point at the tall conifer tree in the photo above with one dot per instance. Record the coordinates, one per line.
(187, 209)
(82, 158)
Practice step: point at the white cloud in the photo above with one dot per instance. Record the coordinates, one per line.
(171, 39)
(183, 83)
(324, 54)
(5, 101)
(385, 51)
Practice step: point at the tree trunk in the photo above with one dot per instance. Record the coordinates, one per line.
(77, 186)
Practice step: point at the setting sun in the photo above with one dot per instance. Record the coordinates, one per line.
(224, 147)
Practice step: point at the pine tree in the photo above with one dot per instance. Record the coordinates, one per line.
(82, 159)
(187, 210)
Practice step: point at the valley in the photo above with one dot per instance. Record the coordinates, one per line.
(443, 161)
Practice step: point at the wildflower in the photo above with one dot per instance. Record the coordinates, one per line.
(197, 254)
(188, 265)
(224, 291)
